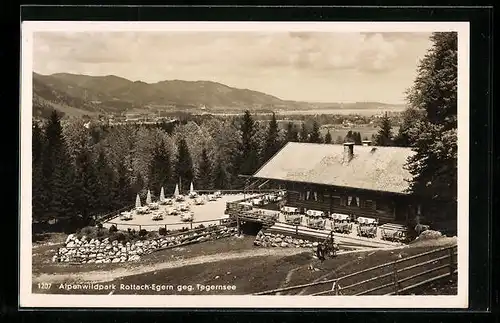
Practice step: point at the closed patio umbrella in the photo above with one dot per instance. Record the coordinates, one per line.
(148, 198)
(191, 188)
(162, 194)
(176, 192)
(137, 201)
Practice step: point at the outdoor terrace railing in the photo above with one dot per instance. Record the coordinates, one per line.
(189, 225)
(112, 215)
(397, 277)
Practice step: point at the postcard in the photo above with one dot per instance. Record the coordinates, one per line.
(244, 165)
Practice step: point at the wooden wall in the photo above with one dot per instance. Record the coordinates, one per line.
(385, 207)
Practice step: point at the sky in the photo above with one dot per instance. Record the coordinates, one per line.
(302, 66)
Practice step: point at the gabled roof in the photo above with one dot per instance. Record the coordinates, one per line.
(371, 168)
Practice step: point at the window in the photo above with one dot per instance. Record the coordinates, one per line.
(368, 204)
(316, 196)
(336, 200)
(301, 196)
(308, 195)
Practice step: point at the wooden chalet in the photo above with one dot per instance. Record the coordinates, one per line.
(351, 179)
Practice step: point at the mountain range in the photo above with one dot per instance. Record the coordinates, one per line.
(75, 94)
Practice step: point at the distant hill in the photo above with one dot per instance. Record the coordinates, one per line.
(82, 94)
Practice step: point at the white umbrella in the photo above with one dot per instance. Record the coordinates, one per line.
(162, 195)
(137, 201)
(148, 198)
(191, 188)
(176, 192)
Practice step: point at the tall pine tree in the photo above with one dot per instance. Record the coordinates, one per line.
(247, 156)
(105, 194)
(57, 173)
(384, 134)
(123, 189)
(220, 175)
(434, 135)
(184, 165)
(37, 178)
(160, 174)
(272, 144)
(86, 186)
(291, 134)
(357, 138)
(328, 137)
(315, 135)
(304, 133)
(205, 180)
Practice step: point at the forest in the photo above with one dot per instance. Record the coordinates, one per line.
(82, 170)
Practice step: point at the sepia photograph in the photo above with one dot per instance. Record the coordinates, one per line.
(224, 164)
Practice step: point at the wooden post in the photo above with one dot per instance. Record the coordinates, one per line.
(191, 224)
(396, 287)
(337, 288)
(296, 229)
(140, 227)
(238, 224)
(165, 227)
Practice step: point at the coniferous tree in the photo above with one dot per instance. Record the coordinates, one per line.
(205, 171)
(328, 137)
(86, 187)
(384, 135)
(315, 136)
(105, 194)
(37, 178)
(221, 176)
(357, 138)
(138, 184)
(291, 133)
(272, 141)
(160, 174)
(339, 140)
(433, 135)
(122, 187)
(184, 165)
(247, 156)
(57, 173)
(349, 137)
(304, 133)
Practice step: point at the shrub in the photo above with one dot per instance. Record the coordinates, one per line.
(162, 231)
(201, 226)
(87, 231)
(99, 233)
(143, 233)
(99, 225)
(184, 229)
(113, 228)
(120, 236)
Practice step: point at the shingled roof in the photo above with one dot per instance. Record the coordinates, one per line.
(371, 167)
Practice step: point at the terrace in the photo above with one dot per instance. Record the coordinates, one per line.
(209, 213)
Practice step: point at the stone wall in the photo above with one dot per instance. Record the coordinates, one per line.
(268, 239)
(87, 250)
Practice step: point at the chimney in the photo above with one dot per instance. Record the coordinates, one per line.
(367, 142)
(348, 151)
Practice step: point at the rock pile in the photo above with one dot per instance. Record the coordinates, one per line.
(429, 235)
(98, 251)
(267, 239)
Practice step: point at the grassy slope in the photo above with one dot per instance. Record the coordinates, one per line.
(250, 275)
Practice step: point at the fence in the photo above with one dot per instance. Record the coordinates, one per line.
(393, 278)
(111, 215)
(173, 226)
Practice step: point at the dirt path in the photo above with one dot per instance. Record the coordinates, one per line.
(105, 276)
